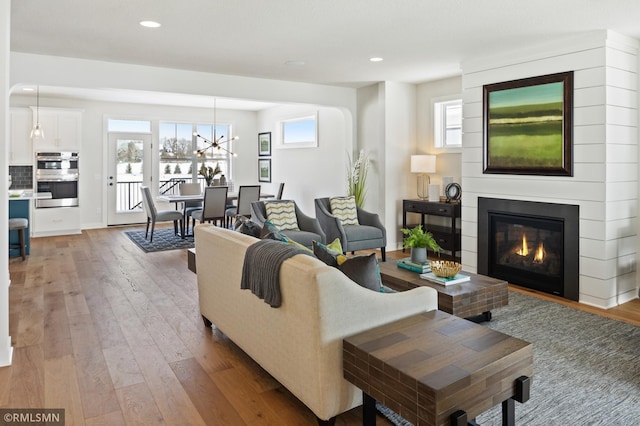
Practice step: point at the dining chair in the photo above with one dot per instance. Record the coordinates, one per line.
(247, 194)
(190, 188)
(214, 205)
(153, 215)
(280, 190)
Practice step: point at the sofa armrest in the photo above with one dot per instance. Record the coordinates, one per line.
(330, 224)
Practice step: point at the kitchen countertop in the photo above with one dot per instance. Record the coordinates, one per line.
(27, 194)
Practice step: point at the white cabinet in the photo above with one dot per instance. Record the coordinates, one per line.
(20, 146)
(62, 129)
(55, 221)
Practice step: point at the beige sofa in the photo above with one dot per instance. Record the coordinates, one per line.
(300, 342)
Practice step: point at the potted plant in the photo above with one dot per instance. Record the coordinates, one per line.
(209, 173)
(419, 241)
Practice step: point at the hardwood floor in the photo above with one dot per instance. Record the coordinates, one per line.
(114, 336)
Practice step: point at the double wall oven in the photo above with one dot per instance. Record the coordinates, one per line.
(57, 173)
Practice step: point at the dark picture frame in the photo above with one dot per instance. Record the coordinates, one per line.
(264, 144)
(528, 126)
(264, 170)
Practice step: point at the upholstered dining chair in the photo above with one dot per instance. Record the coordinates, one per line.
(280, 191)
(153, 215)
(367, 232)
(247, 194)
(190, 188)
(214, 206)
(309, 228)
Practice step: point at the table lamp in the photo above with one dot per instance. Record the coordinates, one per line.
(423, 164)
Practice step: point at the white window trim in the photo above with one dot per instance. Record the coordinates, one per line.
(302, 144)
(437, 124)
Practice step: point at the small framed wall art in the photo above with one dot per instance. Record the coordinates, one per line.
(264, 144)
(264, 170)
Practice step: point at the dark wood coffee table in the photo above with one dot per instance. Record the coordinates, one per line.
(437, 369)
(473, 299)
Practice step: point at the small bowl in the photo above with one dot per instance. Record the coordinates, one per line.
(445, 268)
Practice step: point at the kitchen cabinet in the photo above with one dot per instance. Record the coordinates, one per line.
(56, 221)
(19, 208)
(20, 146)
(62, 129)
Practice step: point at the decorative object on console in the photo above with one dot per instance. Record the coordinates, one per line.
(453, 192)
(419, 240)
(528, 126)
(357, 177)
(217, 140)
(434, 192)
(423, 164)
(446, 180)
(36, 132)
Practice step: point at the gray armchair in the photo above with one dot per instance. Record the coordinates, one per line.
(369, 234)
(310, 228)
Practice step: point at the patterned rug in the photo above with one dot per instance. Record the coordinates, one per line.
(586, 367)
(163, 239)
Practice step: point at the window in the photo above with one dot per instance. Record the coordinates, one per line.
(177, 146)
(129, 126)
(301, 132)
(447, 122)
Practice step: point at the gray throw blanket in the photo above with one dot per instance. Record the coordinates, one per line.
(261, 269)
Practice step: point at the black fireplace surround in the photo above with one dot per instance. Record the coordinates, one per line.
(531, 244)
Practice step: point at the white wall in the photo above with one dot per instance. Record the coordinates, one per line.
(387, 132)
(308, 173)
(605, 180)
(449, 161)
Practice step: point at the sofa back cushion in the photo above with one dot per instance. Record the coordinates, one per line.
(344, 208)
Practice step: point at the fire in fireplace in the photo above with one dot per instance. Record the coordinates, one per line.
(531, 244)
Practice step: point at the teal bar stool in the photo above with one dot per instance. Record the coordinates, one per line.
(20, 224)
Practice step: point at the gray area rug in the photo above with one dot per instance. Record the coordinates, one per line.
(586, 367)
(163, 239)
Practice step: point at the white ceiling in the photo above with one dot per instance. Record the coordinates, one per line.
(420, 40)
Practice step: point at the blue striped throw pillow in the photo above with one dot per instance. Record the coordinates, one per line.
(344, 208)
(282, 214)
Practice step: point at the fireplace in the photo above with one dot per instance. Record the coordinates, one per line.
(531, 244)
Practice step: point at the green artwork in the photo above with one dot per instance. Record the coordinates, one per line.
(525, 126)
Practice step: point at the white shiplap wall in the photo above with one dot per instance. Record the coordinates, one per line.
(605, 176)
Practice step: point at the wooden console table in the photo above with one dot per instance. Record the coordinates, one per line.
(448, 237)
(438, 369)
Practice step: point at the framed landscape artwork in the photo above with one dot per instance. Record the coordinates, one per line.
(528, 126)
(264, 170)
(264, 144)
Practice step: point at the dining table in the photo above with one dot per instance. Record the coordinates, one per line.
(175, 198)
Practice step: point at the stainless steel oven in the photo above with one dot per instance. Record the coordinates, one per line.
(57, 174)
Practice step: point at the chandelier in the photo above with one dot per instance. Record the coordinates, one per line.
(217, 140)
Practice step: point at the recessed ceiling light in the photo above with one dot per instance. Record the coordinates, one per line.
(295, 63)
(28, 89)
(376, 59)
(150, 24)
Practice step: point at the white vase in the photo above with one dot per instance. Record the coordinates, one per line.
(418, 254)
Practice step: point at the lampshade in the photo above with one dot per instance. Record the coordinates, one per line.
(423, 164)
